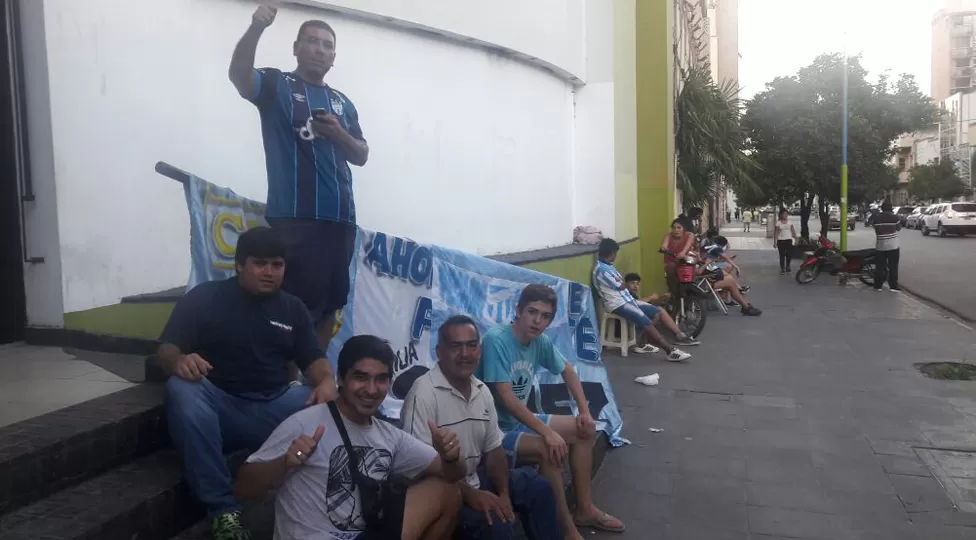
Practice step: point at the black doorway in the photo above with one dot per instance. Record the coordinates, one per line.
(13, 308)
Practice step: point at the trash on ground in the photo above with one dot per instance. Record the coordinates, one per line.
(648, 380)
(655, 430)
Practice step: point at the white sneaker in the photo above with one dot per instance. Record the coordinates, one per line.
(646, 349)
(677, 355)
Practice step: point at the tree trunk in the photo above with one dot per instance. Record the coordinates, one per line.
(824, 217)
(806, 201)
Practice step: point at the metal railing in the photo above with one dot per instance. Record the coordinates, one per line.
(170, 171)
(962, 52)
(961, 30)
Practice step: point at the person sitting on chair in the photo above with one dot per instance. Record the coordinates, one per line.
(616, 298)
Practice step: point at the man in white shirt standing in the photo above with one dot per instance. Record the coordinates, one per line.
(450, 395)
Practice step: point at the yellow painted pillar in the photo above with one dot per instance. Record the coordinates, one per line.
(655, 133)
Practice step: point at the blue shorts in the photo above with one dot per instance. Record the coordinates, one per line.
(641, 314)
(510, 442)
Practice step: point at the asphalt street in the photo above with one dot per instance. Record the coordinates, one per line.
(938, 270)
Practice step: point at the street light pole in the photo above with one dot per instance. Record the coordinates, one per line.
(843, 166)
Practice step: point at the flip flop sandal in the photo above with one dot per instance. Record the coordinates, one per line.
(601, 523)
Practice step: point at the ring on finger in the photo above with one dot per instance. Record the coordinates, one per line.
(299, 454)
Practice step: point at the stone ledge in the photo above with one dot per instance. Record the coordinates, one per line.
(79, 339)
(518, 259)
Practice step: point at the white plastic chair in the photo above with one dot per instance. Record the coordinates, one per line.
(608, 334)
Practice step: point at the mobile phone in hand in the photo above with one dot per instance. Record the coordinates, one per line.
(320, 113)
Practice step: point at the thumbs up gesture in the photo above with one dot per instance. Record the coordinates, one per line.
(302, 447)
(445, 442)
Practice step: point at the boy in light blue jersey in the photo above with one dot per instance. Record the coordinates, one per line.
(617, 298)
(510, 356)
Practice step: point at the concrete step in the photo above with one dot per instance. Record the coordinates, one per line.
(46, 454)
(145, 499)
(102, 470)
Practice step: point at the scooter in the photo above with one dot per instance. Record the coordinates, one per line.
(846, 265)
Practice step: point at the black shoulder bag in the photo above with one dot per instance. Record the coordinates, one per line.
(382, 504)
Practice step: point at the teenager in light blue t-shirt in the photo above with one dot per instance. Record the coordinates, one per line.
(503, 358)
(510, 356)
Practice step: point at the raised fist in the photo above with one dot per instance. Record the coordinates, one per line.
(264, 15)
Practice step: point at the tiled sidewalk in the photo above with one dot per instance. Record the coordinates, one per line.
(808, 422)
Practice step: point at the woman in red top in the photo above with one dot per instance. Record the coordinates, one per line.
(678, 241)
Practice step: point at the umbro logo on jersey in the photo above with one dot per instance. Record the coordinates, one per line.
(299, 98)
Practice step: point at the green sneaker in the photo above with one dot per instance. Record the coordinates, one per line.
(227, 526)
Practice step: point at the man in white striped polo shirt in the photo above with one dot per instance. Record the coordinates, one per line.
(451, 396)
(886, 227)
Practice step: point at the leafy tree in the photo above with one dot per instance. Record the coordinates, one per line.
(872, 185)
(795, 131)
(709, 141)
(935, 182)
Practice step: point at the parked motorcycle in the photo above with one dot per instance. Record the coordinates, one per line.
(829, 258)
(687, 307)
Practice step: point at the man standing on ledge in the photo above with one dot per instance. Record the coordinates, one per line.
(311, 134)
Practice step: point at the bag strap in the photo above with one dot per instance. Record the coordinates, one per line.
(353, 461)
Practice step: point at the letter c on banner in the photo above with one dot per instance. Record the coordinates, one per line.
(228, 226)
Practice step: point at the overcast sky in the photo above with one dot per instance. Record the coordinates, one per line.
(777, 37)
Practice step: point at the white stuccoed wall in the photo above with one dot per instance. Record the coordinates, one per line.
(469, 149)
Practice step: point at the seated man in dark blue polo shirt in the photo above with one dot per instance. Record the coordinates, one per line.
(226, 347)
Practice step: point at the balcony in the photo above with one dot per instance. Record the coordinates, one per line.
(961, 30)
(962, 72)
(962, 52)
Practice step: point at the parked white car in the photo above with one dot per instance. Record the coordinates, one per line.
(914, 220)
(950, 218)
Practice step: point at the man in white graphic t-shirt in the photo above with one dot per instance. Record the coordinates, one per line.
(319, 497)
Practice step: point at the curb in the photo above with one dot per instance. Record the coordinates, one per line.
(939, 305)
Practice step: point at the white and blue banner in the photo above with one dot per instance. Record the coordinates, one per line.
(402, 291)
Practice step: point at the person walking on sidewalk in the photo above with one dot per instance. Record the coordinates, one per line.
(886, 227)
(785, 236)
(746, 220)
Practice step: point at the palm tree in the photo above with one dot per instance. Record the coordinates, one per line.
(709, 142)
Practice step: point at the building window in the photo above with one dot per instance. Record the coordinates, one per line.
(901, 163)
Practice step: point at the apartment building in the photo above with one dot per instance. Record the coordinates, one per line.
(953, 49)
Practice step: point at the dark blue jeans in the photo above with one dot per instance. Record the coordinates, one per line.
(204, 421)
(533, 502)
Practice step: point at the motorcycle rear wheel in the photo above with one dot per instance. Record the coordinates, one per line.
(867, 274)
(808, 274)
